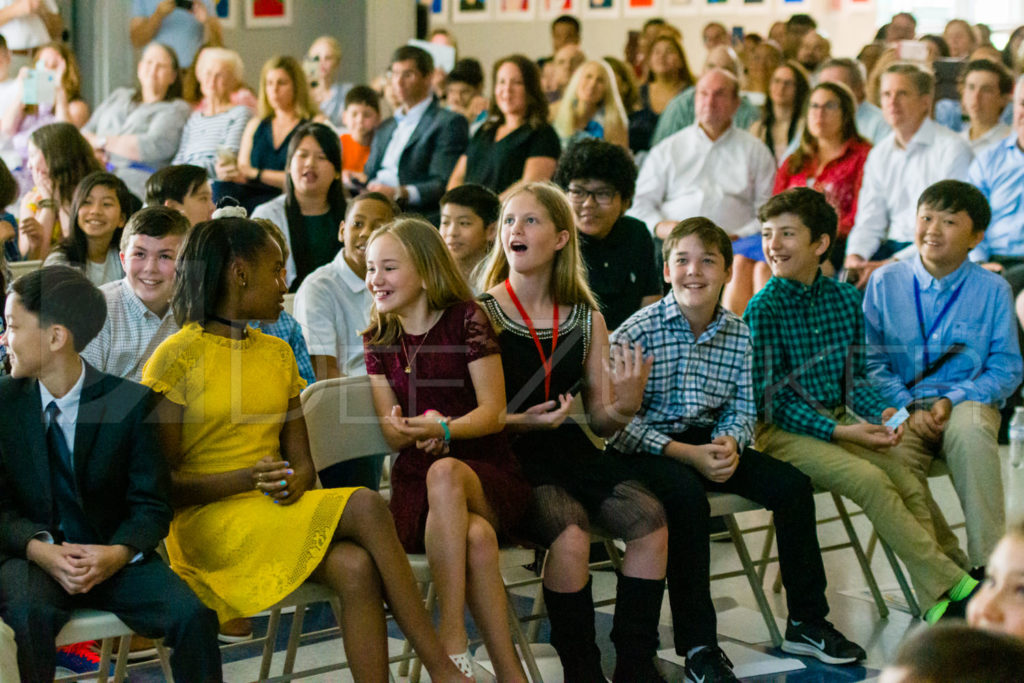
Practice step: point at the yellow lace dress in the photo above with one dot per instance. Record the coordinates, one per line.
(244, 553)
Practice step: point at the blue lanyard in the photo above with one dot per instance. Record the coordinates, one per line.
(938, 319)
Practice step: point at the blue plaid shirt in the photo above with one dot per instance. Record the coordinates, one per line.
(695, 382)
(288, 329)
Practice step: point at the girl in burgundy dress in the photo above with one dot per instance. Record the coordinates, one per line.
(438, 388)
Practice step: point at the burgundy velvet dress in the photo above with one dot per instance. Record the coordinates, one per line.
(439, 380)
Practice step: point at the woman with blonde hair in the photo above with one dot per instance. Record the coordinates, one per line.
(258, 175)
(215, 128)
(457, 490)
(592, 107)
(999, 603)
(554, 344)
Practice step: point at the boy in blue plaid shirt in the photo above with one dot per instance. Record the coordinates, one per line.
(818, 409)
(691, 436)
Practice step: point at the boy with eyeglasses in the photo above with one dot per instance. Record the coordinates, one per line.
(599, 179)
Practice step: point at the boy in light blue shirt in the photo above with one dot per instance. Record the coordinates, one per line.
(942, 341)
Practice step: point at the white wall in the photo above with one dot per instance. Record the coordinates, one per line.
(100, 37)
(848, 30)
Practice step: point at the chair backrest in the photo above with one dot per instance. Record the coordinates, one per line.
(341, 421)
(19, 268)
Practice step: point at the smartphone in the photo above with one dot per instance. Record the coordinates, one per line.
(185, 4)
(737, 34)
(912, 51)
(311, 67)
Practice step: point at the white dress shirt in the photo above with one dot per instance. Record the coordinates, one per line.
(688, 174)
(406, 120)
(992, 135)
(333, 307)
(894, 179)
(67, 418)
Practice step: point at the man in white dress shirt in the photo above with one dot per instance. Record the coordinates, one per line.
(709, 168)
(918, 153)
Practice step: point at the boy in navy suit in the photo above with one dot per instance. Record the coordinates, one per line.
(83, 488)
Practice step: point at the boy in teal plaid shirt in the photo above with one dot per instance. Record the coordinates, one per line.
(817, 409)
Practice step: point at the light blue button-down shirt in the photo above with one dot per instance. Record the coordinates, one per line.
(981, 318)
(998, 171)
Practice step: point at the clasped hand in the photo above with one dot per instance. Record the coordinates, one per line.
(717, 460)
(276, 479)
(77, 567)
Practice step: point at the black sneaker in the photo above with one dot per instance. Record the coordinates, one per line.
(709, 665)
(820, 639)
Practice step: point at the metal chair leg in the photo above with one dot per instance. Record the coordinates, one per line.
(858, 551)
(268, 643)
(901, 578)
(752, 578)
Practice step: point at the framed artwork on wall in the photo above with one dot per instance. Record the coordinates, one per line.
(601, 8)
(225, 11)
(554, 8)
(632, 8)
(677, 7)
(515, 10)
(268, 13)
(438, 10)
(472, 10)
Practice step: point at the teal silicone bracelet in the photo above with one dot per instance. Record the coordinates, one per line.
(447, 432)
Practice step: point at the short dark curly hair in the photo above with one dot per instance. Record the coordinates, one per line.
(592, 159)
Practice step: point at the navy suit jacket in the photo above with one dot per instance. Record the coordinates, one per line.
(122, 475)
(429, 158)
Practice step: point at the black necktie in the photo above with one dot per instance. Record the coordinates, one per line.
(70, 516)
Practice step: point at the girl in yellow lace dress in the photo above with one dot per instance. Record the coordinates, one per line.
(248, 529)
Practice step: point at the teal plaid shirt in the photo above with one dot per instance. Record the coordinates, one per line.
(809, 355)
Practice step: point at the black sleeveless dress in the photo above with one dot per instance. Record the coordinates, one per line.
(562, 457)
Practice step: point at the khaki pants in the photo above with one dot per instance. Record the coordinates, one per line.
(892, 497)
(970, 448)
(8, 655)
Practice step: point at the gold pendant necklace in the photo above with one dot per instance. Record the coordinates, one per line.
(409, 359)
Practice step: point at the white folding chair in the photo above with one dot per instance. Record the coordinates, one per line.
(19, 268)
(91, 624)
(853, 543)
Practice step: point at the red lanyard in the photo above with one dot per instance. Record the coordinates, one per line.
(544, 360)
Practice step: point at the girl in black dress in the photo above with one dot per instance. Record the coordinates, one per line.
(554, 343)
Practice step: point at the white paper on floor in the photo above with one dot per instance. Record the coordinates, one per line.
(892, 595)
(544, 654)
(746, 625)
(746, 662)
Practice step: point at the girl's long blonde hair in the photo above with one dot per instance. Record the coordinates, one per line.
(434, 264)
(614, 113)
(569, 276)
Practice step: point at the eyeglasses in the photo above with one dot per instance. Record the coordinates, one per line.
(828, 106)
(603, 196)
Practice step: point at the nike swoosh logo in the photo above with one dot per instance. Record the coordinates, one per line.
(820, 644)
(699, 680)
